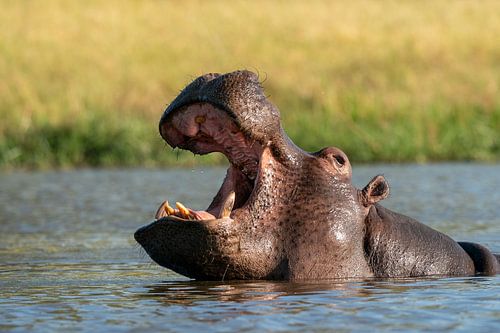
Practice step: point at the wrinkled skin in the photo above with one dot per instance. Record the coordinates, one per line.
(296, 215)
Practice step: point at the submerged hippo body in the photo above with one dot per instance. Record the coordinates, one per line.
(282, 213)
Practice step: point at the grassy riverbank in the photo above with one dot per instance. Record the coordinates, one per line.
(84, 83)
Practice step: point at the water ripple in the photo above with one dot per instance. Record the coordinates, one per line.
(68, 261)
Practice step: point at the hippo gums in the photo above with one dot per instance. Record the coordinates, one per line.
(282, 213)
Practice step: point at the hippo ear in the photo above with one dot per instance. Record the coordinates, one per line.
(376, 190)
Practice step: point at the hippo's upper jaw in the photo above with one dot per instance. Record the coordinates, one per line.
(227, 114)
(282, 213)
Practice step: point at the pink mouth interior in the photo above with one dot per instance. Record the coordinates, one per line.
(202, 129)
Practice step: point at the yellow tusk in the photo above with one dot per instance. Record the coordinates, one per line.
(160, 212)
(168, 209)
(183, 210)
(227, 206)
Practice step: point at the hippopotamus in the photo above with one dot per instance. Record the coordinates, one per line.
(282, 213)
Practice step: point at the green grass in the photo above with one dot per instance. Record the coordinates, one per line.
(84, 83)
(102, 141)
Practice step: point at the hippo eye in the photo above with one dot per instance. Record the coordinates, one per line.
(335, 157)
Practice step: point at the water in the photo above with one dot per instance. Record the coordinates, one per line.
(68, 261)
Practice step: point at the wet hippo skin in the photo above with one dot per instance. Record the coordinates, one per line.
(283, 213)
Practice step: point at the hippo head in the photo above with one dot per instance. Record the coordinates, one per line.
(280, 213)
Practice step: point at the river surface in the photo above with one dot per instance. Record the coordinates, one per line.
(68, 260)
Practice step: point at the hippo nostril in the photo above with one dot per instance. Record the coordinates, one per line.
(340, 159)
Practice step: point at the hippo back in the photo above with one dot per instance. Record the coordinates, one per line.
(397, 245)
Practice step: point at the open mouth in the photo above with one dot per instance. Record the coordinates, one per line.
(202, 128)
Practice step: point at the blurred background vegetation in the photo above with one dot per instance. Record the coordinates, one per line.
(83, 83)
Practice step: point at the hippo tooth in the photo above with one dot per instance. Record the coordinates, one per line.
(183, 210)
(164, 210)
(169, 209)
(227, 206)
(161, 210)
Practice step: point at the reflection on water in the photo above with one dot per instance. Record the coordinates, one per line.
(68, 260)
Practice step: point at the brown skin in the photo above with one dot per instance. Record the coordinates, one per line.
(298, 216)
